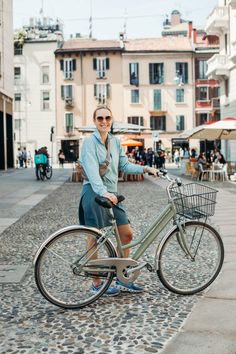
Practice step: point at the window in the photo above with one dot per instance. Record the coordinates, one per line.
(156, 73)
(68, 66)
(45, 100)
(181, 72)
(202, 69)
(101, 65)
(201, 118)
(133, 74)
(203, 93)
(158, 123)
(17, 102)
(17, 124)
(69, 122)
(102, 92)
(17, 73)
(18, 50)
(66, 92)
(134, 96)
(179, 122)
(180, 95)
(135, 120)
(157, 100)
(45, 74)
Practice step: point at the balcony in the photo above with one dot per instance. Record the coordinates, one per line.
(218, 67)
(232, 3)
(217, 21)
(233, 52)
(69, 102)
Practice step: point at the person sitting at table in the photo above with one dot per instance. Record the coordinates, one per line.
(201, 160)
(220, 158)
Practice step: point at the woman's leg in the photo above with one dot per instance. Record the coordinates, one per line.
(126, 236)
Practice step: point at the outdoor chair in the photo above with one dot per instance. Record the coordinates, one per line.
(203, 172)
(219, 171)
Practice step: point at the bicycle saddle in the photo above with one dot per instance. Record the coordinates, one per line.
(106, 203)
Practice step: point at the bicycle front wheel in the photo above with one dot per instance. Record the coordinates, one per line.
(58, 276)
(184, 274)
(48, 172)
(41, 173)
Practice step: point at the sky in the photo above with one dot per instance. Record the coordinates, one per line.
(140, 18)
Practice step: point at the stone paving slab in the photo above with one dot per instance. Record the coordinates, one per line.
(12, 273)
(33, 199)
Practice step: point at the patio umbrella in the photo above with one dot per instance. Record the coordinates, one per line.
(224, 129)
(131, 142)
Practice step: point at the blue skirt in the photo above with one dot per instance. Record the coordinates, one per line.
(94, 215)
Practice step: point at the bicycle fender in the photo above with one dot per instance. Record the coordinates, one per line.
(65, 229)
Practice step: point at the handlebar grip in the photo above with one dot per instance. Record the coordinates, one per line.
(163, 171)
(106, 203)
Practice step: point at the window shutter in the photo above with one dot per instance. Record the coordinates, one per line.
(62, 64)
(62, 92)
(108, 90)
(94, 63)
(186, 73)
(95, 90)
(107, 64)
(74, 64)
(150, 73)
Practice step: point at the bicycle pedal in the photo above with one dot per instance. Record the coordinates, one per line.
(150, 268)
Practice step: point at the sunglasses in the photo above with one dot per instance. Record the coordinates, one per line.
(107, 119)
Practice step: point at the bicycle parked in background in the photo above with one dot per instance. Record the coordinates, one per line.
(187, 259)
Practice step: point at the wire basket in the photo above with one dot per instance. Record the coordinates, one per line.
(194, 200)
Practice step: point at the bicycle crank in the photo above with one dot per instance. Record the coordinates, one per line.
(127, 269)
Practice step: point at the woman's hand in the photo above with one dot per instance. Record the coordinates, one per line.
(111, 197)
(151, 170)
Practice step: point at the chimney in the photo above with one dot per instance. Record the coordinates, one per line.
(190, 29)
(121, 37)
(194, 35)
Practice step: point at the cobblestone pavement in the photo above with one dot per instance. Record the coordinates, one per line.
(126, 324)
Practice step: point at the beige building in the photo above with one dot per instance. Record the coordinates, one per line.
(6, 85)
(140, 80)
(88, 73)
(222, 66)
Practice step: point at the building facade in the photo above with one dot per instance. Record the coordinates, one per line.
(6, 85)
(34, 86)
(222, 66)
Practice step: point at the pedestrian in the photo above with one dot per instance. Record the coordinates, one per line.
(19, 156)
(150, 155)
(176, 157)
(61, 158)
(99, 147)
(24, 156)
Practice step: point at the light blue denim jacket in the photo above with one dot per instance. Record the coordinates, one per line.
(94, 152)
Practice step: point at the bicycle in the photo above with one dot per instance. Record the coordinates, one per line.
(45, 172)
(187, 260)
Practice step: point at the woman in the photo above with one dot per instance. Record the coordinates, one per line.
(61, 158)
(93, 153)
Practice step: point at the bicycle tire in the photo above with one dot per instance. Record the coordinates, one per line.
(41, 173)
(48, 172)
(178, 272)
(54, 276)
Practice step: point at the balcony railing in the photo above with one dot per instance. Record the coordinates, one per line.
(233, 52)
(232, 3)
(69, 102)
(215, 103)
(218, 67)
(217, 21)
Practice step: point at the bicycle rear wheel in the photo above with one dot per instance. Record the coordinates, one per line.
(178, 271)
(58, 281)
(48, 172)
